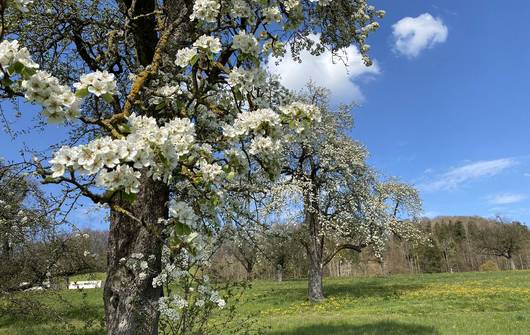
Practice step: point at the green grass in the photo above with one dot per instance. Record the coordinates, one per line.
(458, 303)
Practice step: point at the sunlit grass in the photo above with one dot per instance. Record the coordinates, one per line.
(458, 303)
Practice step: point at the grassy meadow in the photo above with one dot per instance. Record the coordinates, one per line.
(458, 303)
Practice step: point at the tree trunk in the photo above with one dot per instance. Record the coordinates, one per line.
(131, 301)
(315, 290)
(248, 268)
(279, 273)
(314, 248)
(512, 263)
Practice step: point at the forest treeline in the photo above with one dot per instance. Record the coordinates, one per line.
(454, 244)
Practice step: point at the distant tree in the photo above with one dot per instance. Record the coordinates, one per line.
(331, 192)
(243, 245)
(502, 239)
(279, 247)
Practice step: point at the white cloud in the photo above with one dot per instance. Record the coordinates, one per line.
(506, 198)
(414, 34)
(455, 177)
(340, 76)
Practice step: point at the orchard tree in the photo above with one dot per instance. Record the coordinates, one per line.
(279, 246)
(168, 106)
(502, 239)
(336, 197)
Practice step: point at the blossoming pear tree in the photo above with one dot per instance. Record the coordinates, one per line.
(170, 107)
(336, 198)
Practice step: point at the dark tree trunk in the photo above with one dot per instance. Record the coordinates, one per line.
(315, 289)
(314, 248)
(131, 301)
(248, 268)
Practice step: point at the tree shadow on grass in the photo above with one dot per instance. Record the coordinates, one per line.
(347, 290)
(30, 313)
(377, 328)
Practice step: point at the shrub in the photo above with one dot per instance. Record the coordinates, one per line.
(488, 266)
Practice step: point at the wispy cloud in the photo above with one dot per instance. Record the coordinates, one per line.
(412, 35)
(457, 176)
(506, 198)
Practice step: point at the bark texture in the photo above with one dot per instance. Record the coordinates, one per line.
(315, 289)
(131, 301)
(315, 251)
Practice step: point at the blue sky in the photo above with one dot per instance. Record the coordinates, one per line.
(446, 108)
(454, 120)
(451, 117)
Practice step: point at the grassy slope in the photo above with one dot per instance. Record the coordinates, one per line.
(466, 303)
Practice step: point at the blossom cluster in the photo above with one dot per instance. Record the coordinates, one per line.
(22, 5)
(39, 86)
(11, 54)
(58, 101)
(204, 43)
(98, 83)
(246, 43)
(208, 43)
(261, 121)
(206, 10)
(116, 162)
(240, 8)
(272, 14)
(300, 115)
(246, 80)
(182, 212)
(264, 126)
(184, 56)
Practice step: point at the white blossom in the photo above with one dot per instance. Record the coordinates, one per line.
(246, 43)
(246, 80)
(182, 212)
(208, 43)
(22, 5)
(240, 8)
(209, 172)
(59, 103)
(98, 83)
(184, 56)
(206, 10)
(11, 54)
(272, 14)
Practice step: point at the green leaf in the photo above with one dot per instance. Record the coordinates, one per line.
(182, 229)
(161, 106)
(108, 98)
(7, 82)
(19, 67)
(82, 92)
(129, 197)
(28, 72)
(125, 128)
(194, 60)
